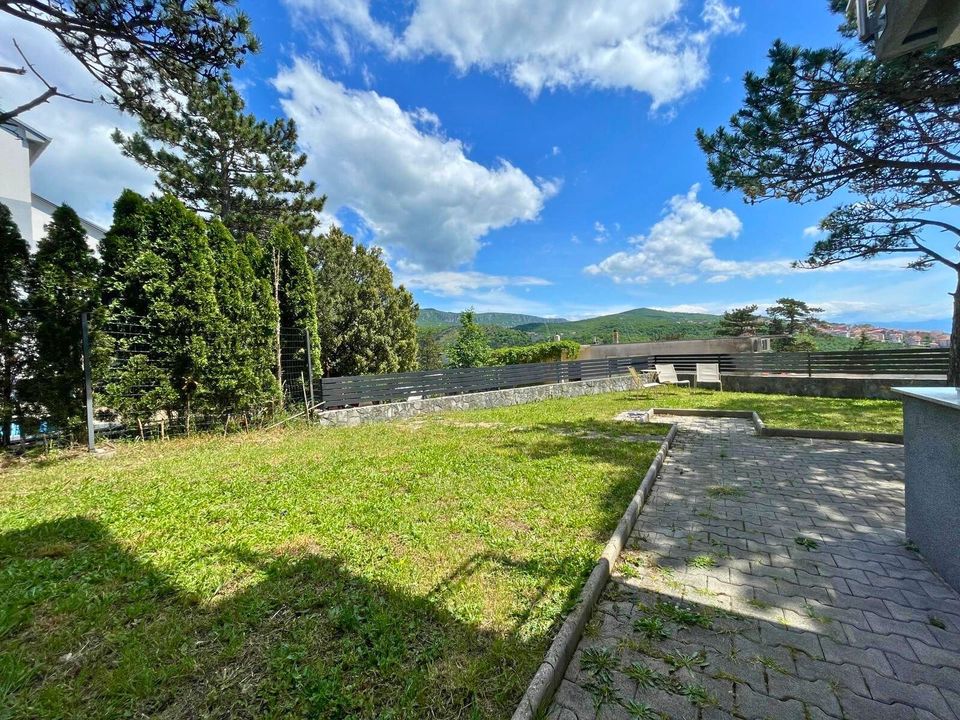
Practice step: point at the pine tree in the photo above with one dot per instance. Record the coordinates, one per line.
(882, 136)
(471, 348)
(14, 263)
(794, 316)
(366, 324)
(62, 285)
(241, 377)
(739, 321)
(221, 160)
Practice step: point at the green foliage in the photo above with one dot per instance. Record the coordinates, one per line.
(62, 285)
(803, 342)
(138, 390)
(640, 325)
(471, 348)
(367, 325)
(145, 53)
(219, 159)
(121, 244)
(243, 353)
(499, 337)
(792, 316)
(14, 264)
(294, 293)
(885, 135)
(429, 350)
(176, 272)
(541, 352)
(740, 321)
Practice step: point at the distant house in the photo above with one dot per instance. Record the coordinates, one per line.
(20, 146)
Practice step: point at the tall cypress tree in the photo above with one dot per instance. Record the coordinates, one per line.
(118, 248)
(62, 285)
(240, 373)
(294, 293)
(175, 273)
(14, 262)
(366, 324)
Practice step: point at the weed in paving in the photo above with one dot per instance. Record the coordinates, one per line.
(717, 491)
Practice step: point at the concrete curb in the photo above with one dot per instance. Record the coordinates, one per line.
(548, 676)
(764, 431)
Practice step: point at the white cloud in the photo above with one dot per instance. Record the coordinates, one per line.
(453, 283)
(678, 247)
(812, 231)
(546, 44)
(679, 250)
(687, 308)
(415, 187)
(601, 234)
(81, 166)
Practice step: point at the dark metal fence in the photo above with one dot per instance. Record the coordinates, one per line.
(341, 392)
(914, 361)
(127, 394)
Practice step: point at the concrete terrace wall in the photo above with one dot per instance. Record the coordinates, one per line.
(471, 401)
(720, 346)
(877, 388)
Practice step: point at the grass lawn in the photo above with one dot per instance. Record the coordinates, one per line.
(408, 570)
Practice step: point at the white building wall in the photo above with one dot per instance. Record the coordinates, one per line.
(15, 182)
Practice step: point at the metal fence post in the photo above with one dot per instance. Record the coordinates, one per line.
(88, 378)
(310, 367)
(809, 366)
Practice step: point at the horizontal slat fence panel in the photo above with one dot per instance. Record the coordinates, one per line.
(395, 387)
(338, 392)
(919, 361)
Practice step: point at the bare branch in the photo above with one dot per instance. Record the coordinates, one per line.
(50, 92)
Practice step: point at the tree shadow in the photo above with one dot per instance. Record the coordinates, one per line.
(89, 630)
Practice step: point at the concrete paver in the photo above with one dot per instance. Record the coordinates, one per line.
(769, 578)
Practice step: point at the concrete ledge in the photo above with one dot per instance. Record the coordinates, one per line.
(764, 431)
(548, 676)
(873, 388)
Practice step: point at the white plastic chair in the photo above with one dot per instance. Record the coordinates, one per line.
(667, 375)
(709, 373)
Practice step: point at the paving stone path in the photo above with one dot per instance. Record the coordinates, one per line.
(769, 578)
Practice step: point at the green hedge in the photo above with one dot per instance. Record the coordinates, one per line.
(541, 352)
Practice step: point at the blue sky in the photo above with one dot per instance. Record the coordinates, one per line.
(533, 157)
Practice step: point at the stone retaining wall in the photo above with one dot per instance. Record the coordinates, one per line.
(471, 401)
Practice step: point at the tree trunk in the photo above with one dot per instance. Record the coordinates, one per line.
(953, 373)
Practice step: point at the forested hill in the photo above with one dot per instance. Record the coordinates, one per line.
(440, 318)
(639, 325)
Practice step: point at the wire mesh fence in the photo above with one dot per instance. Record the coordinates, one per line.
(146, 384)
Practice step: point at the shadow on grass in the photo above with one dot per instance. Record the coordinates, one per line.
(87, 630)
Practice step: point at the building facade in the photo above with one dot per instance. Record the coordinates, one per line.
(20, 146)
